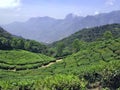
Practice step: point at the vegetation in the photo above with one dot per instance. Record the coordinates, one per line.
(84, 65)
(60, 47)
(87, 35)
(22, 60)
(9, 42)
(97, 65)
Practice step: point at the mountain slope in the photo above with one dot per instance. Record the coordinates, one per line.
(9, 42)
(98, 61)
(46, 29)
(90, 34)
(98, 65)
(4, 33)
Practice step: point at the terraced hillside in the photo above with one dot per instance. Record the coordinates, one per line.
(94, 57)
(22, 60)
(95, 66)
(98, 62)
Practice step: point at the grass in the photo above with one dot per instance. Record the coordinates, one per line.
(22, 57)
(21, 60)
(101, 58)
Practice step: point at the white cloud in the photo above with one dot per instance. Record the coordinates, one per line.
(96, 13)
(9, 3)
(110, 2)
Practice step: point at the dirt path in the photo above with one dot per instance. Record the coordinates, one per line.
(97, 88)
(59, 60)
(43, 66)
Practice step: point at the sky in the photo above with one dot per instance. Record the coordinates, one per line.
(22, 10)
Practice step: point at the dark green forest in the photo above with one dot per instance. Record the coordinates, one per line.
(86, 60)
(10, 42)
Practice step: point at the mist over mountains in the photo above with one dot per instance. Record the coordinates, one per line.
(48, 30)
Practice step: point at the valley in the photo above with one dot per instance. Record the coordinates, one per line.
(59, 44)
(86, 60)
(48, 30)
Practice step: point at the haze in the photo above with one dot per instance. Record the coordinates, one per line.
(22, 10)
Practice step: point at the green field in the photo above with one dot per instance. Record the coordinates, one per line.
(22, 60)
(98, 62)
(72, 64)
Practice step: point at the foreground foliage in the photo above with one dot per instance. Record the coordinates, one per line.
(97, 65)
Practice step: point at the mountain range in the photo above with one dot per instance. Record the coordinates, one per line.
(48, 30)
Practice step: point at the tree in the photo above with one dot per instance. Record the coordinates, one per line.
(5, 44)
(60, 47)
(76, 45)
(108, 35)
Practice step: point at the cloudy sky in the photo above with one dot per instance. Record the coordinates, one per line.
(21, 10)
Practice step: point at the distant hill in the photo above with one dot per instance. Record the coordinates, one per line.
(85, 36)
(47, 29)
(4, 33)
(9, 42)
(90, 34)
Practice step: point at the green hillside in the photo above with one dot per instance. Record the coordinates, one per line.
(85, 35)
(22, 60)
(98, 64)
(91, 34)
(4, 33)
(91, 65)
(10, 42)
(94, 57)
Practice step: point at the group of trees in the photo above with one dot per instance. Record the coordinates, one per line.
(8, 42)
(77, 45)
(62, 51)
(20, 43)
(90, 34)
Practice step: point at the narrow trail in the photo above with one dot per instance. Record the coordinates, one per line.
(97, 88)
(51, 63)
(43, 66)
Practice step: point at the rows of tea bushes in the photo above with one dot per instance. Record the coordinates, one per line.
(57, 82)
(22, 60)
(99, 62)
(97, 65)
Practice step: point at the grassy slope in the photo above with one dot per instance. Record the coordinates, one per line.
(101, 57)
(21, 57)
(94, 58)
(18, 59)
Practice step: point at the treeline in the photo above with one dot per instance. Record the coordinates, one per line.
(61, 50)
(8, 42)
(76, 41)
(90, 34)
